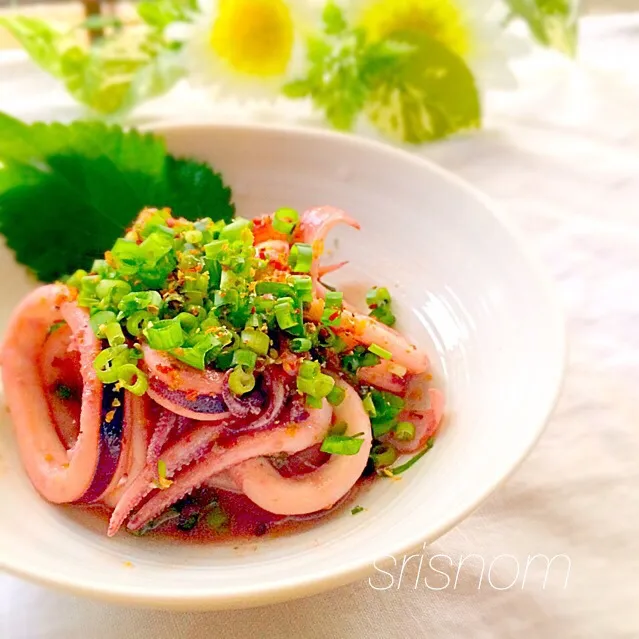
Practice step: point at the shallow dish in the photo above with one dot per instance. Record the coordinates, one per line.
(464, 290)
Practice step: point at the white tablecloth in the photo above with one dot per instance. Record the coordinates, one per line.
(562, 156)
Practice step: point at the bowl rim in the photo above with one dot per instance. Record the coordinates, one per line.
(300, 585)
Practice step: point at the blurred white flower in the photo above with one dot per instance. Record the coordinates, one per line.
(473, 29)
(243, 49)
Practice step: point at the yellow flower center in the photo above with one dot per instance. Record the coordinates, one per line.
(254, 36)
(442, 20)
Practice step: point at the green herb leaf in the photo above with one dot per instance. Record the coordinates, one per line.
(357, 509)
(161, 13)
(340, 66)
(426, 95)
(110, 76)
(553, 23)
(41, 41)
(68, 192)
(333, 18)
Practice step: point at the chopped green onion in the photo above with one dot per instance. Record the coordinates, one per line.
(387, 408)
(334, 299)
(140, 301)
(383, 455)
(63, 392)
(164, 335)
(76, 278)
(378, 350)
(131, 378)
(338, 428)
(398, 470)
(379, 300)
(126, 256)
(383, 315)
(217, 519)
(224, 361)
(245, 358)
(155, 247)
(187, 321)
(284, 315)
(341, 445)
(377, 296)
(241, 381)
(303, 287)
(162, 482)
(300, 258)
(276, 289)
(382, 428)
(357, 509)
(214, 248)
(234, 231)
(359, 358)
(100, 319)
(369, 406)
(191, 356)
(193, 237)
(198, 350)
(313, 402)
(336, 396)
(309, 369)
(405, 431)
(137, 322)
(112, 291)
(332, 341)
(113, 333)
(319, 386)
(87, 295)
(256, 341)
(300, 345)
(108, 362)
(285, 220)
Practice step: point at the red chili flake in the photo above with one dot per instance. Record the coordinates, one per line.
(191, 395)
(334, 316)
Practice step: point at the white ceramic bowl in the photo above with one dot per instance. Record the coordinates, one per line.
(465, 292)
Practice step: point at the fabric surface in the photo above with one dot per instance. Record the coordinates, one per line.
(562, 157)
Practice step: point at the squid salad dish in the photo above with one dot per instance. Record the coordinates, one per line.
(202, 381)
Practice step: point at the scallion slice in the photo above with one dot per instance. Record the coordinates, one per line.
(244, 357)
(241, 381)
(164, 335)
(99, 320)
(300, 258)
(113, 333)
(285, 220)
(284, 314)
(319, 386)
(309, 369)
(300, 345)
(131, 378)
(108, 362)
(276, 289)
(336, 396)
(405, 431)
(256, 341)
(378, 350)
(235, 230)
(137, 322)
(383, 455)
(341, 445)
(303, 287)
